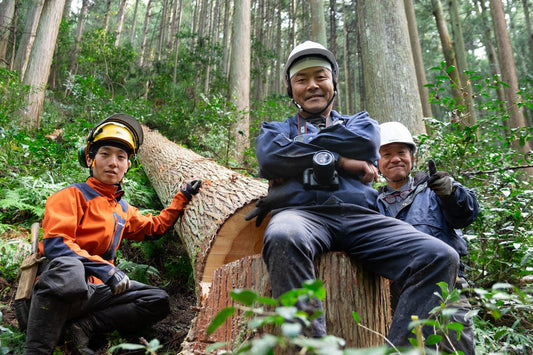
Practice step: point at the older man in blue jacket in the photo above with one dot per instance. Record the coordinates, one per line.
(320, 165)
(434, 204)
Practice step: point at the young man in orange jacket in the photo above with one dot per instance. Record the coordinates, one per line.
(79, 288)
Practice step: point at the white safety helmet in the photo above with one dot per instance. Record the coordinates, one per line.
(395, 132)
(309, 49)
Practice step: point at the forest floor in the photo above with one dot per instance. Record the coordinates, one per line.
(170, 332)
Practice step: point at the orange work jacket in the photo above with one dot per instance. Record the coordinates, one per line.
(88, 221)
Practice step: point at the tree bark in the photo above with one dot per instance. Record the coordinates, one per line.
(213, 227)
(460, 55)
(360, 291)
(389, 71)
(239, 82)
(106, 15)
(332, 45)
(487, 39)
(225, 249)
(525, 5)
(447, 50)
(120, 21)
(145, 34)
(134, 23)
(41, 60)
(417, 57)
(7, 11)
(28, 36)
(508, 69)
(77, 40)
(318, 22)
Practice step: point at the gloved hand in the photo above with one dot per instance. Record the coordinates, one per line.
(262, 208)
(439, 181)
(191, 188)
(118, 282)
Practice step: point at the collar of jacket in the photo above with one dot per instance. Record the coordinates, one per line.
(112, 191)
(419, 178)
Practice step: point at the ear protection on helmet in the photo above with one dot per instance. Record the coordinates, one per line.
(81, 156)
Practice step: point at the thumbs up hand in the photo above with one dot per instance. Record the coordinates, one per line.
(439, 181)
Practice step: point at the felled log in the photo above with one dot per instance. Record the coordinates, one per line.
(225, 249)
(212, 228)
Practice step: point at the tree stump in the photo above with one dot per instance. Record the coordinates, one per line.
(225, 250)
(349, 288)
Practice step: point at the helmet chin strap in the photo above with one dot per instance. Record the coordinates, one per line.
(300, 108)
(405, 178)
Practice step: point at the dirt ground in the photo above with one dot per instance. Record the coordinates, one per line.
(170, 332)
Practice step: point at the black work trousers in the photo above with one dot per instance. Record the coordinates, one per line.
(384, 245)
(63, 287)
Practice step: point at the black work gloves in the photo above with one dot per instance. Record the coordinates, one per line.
(275, 199)
(118, 282)
(439, 181)
(262, 208)
(191, 188)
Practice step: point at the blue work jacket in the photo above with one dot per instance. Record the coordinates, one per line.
(440, 217)
(285, 150)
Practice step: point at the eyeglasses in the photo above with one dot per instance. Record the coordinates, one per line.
(397, 196)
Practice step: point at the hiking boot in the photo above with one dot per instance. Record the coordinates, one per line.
(78, 335)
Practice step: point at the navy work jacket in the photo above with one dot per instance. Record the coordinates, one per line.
(440, 217)
(285, 150)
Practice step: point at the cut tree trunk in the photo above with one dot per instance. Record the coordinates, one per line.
(225, 250)
(360, 291)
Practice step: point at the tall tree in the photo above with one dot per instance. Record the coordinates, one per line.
(42, 52)
(226, 37)
(79, 31)
(460, 55)
(106, 15)
(145, 33)
(318, 22)
(389, 71)
(7, 12)
(508, 70)
(525, 5)
(417, 57)
(28, 36)
(487, 39)
(66, 10)
(120, 21)
(332, 45)
(134, 22)
(240, 76)
(162, 40)
(176, 39)
(447, 50)
(350, 55)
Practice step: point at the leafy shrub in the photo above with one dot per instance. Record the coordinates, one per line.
(12, 96)
(11, 340)
(12, 252)
(487, 158)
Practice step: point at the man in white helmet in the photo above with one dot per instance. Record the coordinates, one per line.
(79, 287)
(434, 204)
(320, 165)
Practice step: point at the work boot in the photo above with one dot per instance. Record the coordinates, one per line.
(47, 316)
(78, 335)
